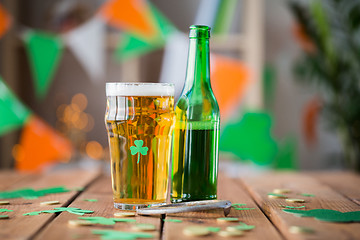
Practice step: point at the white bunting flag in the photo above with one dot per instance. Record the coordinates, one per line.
(87, 42)
(173, 68)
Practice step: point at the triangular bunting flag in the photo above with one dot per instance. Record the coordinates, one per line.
(44, 52)
(229, 80)
(129, 15)
(87, 43)
(5, 21)
(207, 12)
(40, 145)
(13, 112)
(131, 45)
(163, 25)
(173, 67)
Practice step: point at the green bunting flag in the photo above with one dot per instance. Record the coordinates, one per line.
(131, 45)
(13, 113)
(250, 138)
(44, 51)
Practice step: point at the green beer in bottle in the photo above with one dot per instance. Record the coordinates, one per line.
(196, 132)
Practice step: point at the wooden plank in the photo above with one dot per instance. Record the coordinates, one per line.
(346, 183)
(21, 227)
(230, 190)
(104, 207)
(325, 198)
(8, 178)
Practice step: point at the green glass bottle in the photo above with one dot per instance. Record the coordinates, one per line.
(196, 133)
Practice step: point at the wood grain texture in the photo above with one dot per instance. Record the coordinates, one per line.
(325, 198)
(9, 178)
(23, 227)
(104, 207)
(228, 189)
(346, 183)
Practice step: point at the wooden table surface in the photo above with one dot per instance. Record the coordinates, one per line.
(333, 190)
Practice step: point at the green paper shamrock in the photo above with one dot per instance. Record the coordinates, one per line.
(29, 193)
(139, 149)
(113, 235)
(173, 220)
(277, 195)
(90, 200)
(76, 211)
(213, 229)
(243, 226)
(292, 206)
(106, 221)
(5, 210)
(327, 215)
(250, 138)
(228, 219)
(307, 195)
(245, 208)
(238, 204)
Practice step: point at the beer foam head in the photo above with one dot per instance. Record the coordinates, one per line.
(139, 89)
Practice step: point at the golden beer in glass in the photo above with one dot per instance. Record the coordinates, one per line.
(139, 121)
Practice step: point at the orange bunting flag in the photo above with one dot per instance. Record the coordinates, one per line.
(5, 21)
(229, 80)
(129, 15)
(40, 145)
(311, 113)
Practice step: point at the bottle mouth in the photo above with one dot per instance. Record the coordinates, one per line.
(199, 31)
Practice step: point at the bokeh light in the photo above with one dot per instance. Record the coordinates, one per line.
(94, 150)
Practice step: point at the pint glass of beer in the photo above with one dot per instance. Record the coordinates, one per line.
(139, 121)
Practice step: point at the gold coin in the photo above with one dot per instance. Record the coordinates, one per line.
(4, 202)
(124, 214)
(77, 223)
(300, 229)
(230, 234)
(196, 231)
(227, 219)
(281, 190)
(295, 200)
(50, 203)
(143, 227)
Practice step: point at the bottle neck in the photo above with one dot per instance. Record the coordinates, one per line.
(198, 66)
